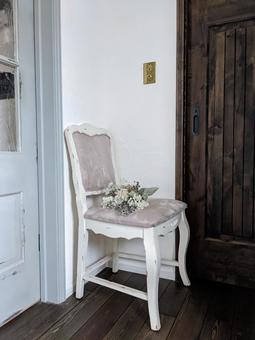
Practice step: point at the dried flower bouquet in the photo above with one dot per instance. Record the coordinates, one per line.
(127, 198)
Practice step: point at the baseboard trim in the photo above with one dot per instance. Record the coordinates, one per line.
(134, 266)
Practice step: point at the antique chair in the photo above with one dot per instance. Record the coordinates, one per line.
(93, 168)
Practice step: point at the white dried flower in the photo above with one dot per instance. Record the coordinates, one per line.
(126, 198)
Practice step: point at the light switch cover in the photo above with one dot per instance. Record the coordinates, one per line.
(149, 73)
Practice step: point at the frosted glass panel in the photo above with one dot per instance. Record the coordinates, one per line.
(6, 29)
(8, 120)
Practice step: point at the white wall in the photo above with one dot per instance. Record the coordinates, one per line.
(104, 46)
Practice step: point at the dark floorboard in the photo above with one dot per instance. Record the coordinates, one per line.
(205, 311)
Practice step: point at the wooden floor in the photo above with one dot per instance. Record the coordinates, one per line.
(204, 311)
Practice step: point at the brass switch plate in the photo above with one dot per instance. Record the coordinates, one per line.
(149, 73)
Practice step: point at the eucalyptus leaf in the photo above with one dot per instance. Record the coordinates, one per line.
(148, 192)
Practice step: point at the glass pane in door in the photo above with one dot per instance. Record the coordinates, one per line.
(7, 48)
(8, 115)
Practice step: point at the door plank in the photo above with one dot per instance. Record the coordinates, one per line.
(249, 128)
(210, 133)
(239, 132)
(227, 211)
(215, 139)
(195, 148)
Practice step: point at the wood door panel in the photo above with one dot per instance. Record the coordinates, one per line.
(230, 135)
(219, 160)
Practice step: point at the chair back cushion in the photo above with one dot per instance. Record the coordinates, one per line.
(95, 160)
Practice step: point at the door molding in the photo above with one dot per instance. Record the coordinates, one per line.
(181, 103)
(50, 149)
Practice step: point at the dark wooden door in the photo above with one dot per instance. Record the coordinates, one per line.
(219, 145)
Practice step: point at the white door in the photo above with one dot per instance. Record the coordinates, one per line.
(19, 254)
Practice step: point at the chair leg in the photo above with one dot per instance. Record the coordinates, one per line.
(82, 252)
(152, 255)
(183, 245)
(115, 257)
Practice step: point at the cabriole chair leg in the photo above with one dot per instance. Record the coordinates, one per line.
(183, 245)
(152, 254)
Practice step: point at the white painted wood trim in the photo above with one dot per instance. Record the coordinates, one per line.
(116, 286)
(50, 149)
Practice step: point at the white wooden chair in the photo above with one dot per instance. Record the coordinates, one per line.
(93, 168)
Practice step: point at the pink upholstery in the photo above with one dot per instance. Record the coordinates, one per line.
(158, 211)
(94, 154)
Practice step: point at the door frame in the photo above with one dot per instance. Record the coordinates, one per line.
(50, 149)
(181, 95)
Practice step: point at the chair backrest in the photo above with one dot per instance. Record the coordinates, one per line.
(92, 161)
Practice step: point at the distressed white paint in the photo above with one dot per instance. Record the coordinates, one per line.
(115, 257)
(152, 255)
(104, 46)
(182, 251)
(19, 272)
(116, 286)
(150, 236)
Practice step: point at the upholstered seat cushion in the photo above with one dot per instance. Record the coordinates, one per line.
(158, 211)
